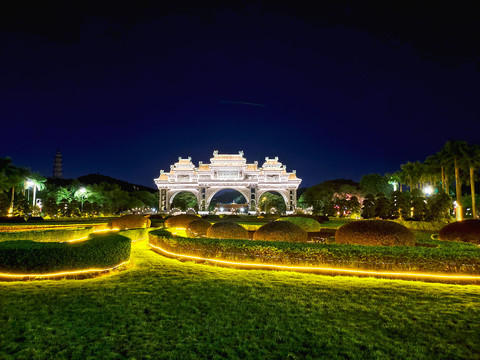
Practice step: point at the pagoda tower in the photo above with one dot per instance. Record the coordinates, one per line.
(57, 166)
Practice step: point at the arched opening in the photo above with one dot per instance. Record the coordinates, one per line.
(228, 201)
(272, 202)
(184, 200)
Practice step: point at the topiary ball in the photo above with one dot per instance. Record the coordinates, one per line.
(374, 233)
(198, 228)
(180, 221)
(130, 222)
(281, 231)
(465, 231)
(227, 230)
(305, 223)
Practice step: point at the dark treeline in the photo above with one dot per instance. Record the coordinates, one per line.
(419, 191)
(24, 193)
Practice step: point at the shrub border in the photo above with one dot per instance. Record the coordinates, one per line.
(160, 243)
(134, 235)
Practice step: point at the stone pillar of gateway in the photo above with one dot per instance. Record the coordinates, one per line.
(227, 171)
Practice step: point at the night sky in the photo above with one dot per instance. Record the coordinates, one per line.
(336, 91)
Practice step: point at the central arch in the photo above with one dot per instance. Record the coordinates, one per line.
(210, 193)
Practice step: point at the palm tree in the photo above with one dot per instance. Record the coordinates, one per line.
(472, 162)
(408, 174)
(12, 177)
(433, 169)
(455, 152)
(38, 183)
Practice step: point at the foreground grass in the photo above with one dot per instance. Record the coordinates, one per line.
(163, 308)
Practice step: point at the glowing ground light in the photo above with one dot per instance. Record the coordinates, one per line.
(325, 269)
(63, 273)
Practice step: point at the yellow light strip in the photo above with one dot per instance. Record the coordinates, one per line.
(73, 272)
(324, 269)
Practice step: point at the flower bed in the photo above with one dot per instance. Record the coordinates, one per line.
(446, 257)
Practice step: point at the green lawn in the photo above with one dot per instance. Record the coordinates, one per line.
(163, 308)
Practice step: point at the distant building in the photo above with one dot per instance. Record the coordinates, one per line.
(57, 166)
(232, 208)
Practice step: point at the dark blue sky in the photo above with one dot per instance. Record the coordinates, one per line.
(346, 90)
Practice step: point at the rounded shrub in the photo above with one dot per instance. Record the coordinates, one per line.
(35, 219)
(374, 233)
(198, 228)
(281, 231)
(227, 230)
(130, 222)
(211, 217)
(180, 221)
(305, 223)
(465, 231)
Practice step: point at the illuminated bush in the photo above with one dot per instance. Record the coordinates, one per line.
(227, 230)
(180, 221)
(374, 233)
(305, 223)
(465, 231)
(101, 251)
(130, 222)
(198, 228)
(281, 231)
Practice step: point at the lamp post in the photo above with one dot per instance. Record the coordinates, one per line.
(82, 192)
(265, 201)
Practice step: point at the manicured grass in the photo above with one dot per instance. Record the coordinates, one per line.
(164, 308)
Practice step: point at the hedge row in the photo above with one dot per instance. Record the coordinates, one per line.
(100, 251)
(55, 235)
(444, 258)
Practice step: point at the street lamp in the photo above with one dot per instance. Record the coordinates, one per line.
(265, 201)
(82, 192)
(428, 190)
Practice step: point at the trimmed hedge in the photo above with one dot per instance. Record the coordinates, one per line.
(52, 235)
(421, 225)
(445, 257)
(130, 222)
(227, 230)
(135, 234)
(374, 233)
(281, 231)
(305, 223)
(12, 219)
(180, 221)
(464, 231)
(198, 228)
(100, 251)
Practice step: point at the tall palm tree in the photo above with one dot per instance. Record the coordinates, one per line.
(455, 152)
(408, 170)
(38, 183)
(433, 170)
(12, 178)
(472, 162)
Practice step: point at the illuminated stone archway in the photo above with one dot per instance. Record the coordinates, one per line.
(227, 171)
